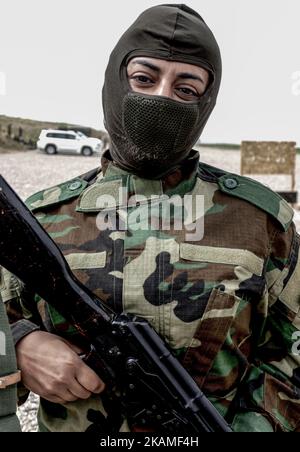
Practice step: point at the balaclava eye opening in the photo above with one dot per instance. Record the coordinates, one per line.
(152, 135)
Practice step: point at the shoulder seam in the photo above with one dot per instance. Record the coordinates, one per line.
(48, 197)
(56, 194)
(275, 205)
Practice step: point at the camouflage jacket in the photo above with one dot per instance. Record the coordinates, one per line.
(227, 301)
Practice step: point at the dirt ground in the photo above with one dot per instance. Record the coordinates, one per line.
(31, 171)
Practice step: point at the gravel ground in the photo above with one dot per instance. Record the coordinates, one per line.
(31, 171)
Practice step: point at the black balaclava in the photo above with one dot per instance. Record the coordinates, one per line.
(152, 135)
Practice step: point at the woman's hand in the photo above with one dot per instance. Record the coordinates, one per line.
(51, 368)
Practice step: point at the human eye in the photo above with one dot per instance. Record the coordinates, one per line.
(141, 79)
(187, 92)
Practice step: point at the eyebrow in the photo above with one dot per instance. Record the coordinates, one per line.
(153, 67)
(148, 65)
(191, 76)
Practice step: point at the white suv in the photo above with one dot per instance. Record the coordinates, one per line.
(67, 141)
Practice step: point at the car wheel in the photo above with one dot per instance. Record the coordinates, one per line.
(86, 151)
(50, 149)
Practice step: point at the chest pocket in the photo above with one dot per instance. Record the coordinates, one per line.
(81, 264)
(226, 314)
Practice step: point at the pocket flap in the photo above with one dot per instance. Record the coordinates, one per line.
(83, 261)
(217, 255)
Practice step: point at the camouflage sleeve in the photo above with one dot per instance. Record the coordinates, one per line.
(20, 306)
(273, 383)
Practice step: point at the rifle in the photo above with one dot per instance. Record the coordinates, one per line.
(125, 351)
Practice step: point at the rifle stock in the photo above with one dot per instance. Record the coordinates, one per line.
(126, 352)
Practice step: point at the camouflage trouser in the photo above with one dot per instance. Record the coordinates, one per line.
(82, 416)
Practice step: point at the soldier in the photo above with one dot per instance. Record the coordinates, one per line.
(9, 376)
(227, 301)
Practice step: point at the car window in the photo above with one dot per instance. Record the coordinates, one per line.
(65, 136)
(54, 135)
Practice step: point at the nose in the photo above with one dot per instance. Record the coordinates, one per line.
(163, 88)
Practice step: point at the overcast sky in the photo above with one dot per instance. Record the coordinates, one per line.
(53, 55)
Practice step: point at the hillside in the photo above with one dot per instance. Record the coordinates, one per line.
(22, 134)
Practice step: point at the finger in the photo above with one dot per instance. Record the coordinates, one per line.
(79, 391)
(69, 396)
(89, 379)
(64, 397)
(53, 399)
(63, 392)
